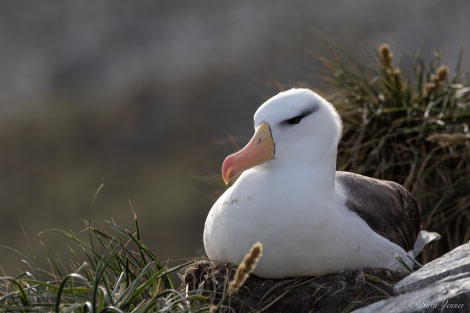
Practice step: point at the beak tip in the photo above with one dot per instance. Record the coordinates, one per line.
(227, 170)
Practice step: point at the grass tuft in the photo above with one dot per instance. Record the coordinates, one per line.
(408, 121)
(120, 274)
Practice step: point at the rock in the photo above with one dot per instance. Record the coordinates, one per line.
(454, 262)
(442, 285)
(451, 294)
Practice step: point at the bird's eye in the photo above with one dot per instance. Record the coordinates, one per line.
(297, 119)
(294, 120)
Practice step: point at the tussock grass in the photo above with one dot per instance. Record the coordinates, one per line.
(120, 274)
(408, 121)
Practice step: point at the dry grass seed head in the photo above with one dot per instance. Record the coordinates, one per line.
(386, 57)
(445, 140)
(246, 267)
(442, 73)
(437, 79)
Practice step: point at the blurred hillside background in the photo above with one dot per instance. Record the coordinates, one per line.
(142, 96)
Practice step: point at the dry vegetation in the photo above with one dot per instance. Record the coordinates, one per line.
(341, 292)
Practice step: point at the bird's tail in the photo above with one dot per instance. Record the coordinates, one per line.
(424, 237)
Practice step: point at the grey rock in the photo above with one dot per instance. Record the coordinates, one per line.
(454, 262)
(442, 285)
(448, 295)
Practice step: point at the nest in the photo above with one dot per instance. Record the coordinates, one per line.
(329, 293)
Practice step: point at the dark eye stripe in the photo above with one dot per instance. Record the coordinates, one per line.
(296, 119)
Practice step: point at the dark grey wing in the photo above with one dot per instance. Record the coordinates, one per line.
(387, 207)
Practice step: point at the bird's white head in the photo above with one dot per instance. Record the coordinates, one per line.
(295, 127)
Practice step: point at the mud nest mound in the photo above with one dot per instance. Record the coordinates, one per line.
(340, 292)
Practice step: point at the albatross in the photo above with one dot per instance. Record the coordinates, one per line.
(311, 219)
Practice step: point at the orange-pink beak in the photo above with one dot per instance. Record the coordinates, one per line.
(260, 149)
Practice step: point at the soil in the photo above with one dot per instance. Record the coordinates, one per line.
(342, 292)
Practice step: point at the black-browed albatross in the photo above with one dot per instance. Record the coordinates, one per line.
(310, 218)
